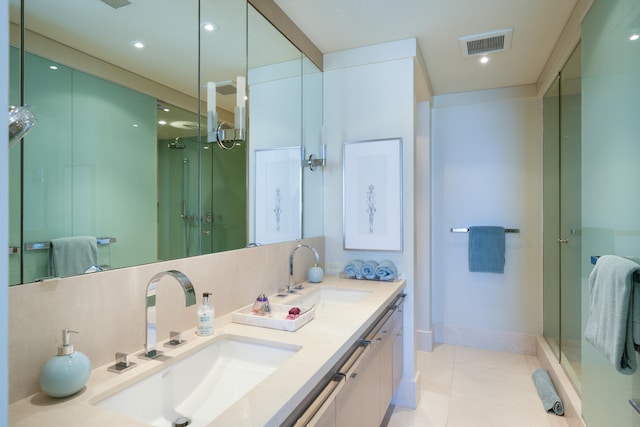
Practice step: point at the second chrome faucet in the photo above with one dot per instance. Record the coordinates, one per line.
(292, 285)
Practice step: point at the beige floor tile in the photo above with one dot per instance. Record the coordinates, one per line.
(441, 352)
(468, 387)
(500, 386)
(465, 412)
(493, 359)
(435, 375)
(432, 411)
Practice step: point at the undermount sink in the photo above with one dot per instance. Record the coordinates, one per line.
(327, 297)
(203, 385)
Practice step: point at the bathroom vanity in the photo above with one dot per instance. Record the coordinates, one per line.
(280, 377)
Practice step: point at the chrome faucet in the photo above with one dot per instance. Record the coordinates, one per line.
(150, 351)
(292, 284)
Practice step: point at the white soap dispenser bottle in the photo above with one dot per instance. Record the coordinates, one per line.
(66, 373)
(206, 314)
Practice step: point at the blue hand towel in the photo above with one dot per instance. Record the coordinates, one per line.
(486, 249)
(387, 271)
(69, 256)
(547, 392)
(368, 270)
(354, 269)
(612, 311)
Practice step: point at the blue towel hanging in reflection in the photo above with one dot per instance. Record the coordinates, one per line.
(486, 249)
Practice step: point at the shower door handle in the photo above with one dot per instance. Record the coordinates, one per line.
(563, 241)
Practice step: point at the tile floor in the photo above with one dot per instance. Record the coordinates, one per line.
(470, 387)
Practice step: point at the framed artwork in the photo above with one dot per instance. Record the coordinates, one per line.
(372, 192)
(278, 202)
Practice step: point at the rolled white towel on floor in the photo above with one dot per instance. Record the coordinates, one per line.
(547, 392)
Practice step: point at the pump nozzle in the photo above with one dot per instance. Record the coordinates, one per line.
(66, 348)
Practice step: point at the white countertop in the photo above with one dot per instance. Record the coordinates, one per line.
(323, 342)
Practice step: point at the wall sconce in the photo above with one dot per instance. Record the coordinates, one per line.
(225, 135)
(314, 162)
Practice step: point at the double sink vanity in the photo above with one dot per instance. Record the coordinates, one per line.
(246, 375)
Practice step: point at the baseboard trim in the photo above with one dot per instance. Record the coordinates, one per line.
(424, 340)
(408, 392)
(486, 339)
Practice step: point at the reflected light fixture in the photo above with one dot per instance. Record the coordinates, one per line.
(484, 59)
(634, 37)
(137, 44)
(209, 26)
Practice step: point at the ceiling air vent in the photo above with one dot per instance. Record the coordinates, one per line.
(490, 42)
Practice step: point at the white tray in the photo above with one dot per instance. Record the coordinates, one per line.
(278, 318)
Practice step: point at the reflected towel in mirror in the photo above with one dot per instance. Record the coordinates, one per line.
(69, 256)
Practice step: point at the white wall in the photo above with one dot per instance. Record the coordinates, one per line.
(4, 212)
(486, 170)
(369, 94)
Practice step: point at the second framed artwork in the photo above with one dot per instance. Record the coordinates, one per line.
(372, 192)
(278, 203)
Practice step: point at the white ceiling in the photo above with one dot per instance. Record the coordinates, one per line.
(335, 25)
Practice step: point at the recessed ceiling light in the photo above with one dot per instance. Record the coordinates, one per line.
(162, 122)
(53, 67)
(209, 26)
(137, 44)
(634, 37)
(484, 59)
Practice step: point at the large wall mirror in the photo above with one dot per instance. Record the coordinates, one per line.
(122, 149)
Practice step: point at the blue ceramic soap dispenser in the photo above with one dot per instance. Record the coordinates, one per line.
(66, 373)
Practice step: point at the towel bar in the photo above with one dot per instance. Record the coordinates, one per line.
(35, 246)
(466, 230)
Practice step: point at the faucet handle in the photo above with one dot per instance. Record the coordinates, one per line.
(175, 340)
(123, 364)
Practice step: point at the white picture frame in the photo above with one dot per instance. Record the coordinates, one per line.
(278, 202)
(372, 195)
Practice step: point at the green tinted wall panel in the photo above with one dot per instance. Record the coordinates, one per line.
(86, 126)
(48, 160)
(114, 151)
(610, 182)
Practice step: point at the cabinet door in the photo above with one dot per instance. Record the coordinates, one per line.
(386, 341)
(397, 360)
(326, 417)
(356, 404)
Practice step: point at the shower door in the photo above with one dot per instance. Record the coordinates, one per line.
(561, 216)
(610, 182)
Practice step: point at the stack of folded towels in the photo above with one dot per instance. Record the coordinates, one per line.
(371, 270)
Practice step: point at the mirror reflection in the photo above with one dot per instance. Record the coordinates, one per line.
(121, 151)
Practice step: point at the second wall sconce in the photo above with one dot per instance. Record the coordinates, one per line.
(313, 162)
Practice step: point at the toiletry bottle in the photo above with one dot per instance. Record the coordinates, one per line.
(66, 373)
(206, 315)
